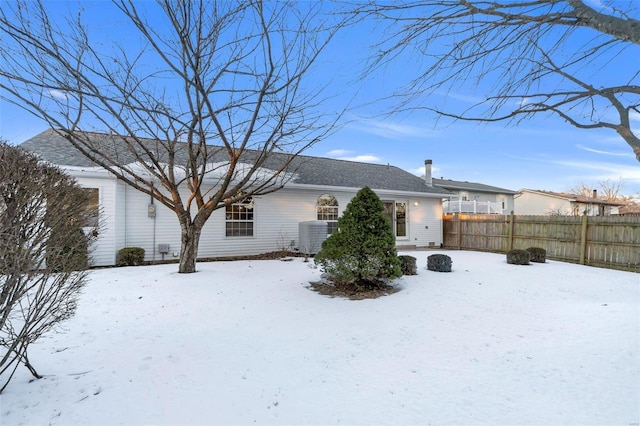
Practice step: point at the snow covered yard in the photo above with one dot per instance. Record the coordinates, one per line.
(247, 342)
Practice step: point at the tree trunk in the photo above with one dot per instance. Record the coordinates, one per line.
(189, 247)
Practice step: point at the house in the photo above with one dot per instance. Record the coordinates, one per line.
(629, 210)
(320, 190)
(536, 202)
(475, 198)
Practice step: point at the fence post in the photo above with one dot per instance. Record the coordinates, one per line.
(459, 231)
(583, 238)
(512, 222)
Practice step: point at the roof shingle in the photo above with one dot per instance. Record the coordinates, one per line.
(54, 148)
(470, 186)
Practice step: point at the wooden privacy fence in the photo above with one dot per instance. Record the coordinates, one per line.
(604, 241)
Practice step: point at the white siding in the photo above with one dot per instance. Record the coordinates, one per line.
(425, 222)
(276, 218)
(531, 203)
(102, 249)
(125, 222)
(507, 199)
(147, 232)
(120, 216)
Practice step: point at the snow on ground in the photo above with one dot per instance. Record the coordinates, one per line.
(248, 343)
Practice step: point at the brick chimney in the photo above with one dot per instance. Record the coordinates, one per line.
(595, 193)
(427, 172)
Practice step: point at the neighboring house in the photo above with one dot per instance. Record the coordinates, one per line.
(629, 210)
(320, 190)
(531, 202)
(476, 198)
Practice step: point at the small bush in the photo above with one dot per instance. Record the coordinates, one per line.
(408, 265)
(130, 256)
(439, 263)
(361, 252)
(538, 254)
(518, 257)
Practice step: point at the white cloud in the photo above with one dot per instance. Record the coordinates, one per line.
(57, 94)
(564, 174)
(338, 153)
(418, 172)
(603, 170)
(363, 158)
(435, 171)
(390, 130)
(345, 154)
(461, 97)
(597, 151)
(524, 101)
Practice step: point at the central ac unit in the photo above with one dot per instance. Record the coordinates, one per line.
(311, 236)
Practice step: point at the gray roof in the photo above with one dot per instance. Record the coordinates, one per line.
(470, 186)
(54, 148)
(577, 198)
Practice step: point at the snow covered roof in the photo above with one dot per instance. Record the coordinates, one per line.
(307, 170)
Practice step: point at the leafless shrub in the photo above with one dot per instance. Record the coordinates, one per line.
(43, 253)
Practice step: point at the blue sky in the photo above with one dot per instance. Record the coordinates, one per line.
(541, 153)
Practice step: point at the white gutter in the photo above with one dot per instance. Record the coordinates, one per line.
(93, 172)
(100, 172)
(330, 188)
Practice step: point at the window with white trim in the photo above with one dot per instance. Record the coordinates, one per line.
(327, 210)
(91, 208)
(239, 219)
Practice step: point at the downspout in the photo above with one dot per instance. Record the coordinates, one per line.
(126, 221)
(153, 208)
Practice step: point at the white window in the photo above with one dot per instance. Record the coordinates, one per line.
(92, 208)
(327, 210)
(239, 219)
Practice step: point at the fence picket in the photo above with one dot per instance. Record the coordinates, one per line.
(605, 241)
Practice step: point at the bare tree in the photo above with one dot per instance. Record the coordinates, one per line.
(608, 190)
(524, 58)
(211, 110)
(43, 253)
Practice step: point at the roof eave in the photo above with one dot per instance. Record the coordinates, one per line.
(87, 172)
(355, 189)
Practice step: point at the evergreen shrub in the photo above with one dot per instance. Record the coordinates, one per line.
(130, 256)
(538, 254)
(518, 257)
(408, 265)
(362, 250)
(439, 263)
